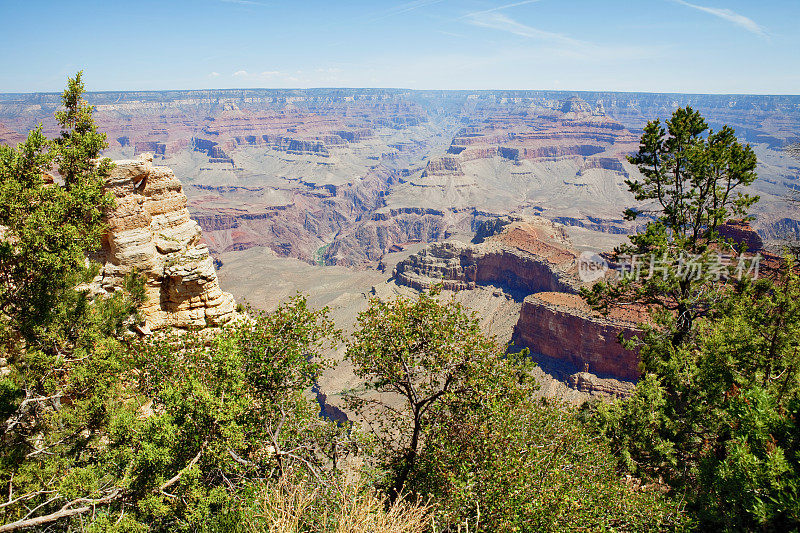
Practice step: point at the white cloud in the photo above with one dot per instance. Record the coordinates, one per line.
(450, 33)
(731, 16)
(498, 21)
(266, 75)
(559, 44)
(507, 6)
(213, 75)
(404, 8)
(411, 6)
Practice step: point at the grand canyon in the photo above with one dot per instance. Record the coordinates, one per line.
(347, 193)
(409, 266)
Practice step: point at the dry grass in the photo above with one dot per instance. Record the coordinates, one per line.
(294, 507)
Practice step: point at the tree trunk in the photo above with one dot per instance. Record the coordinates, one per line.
(408, 461)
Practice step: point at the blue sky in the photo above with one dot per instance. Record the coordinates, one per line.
(706, 46)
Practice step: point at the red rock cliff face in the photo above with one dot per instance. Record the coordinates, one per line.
(561, 326)
(533, 257)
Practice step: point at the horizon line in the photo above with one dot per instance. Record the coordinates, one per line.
(48, 93)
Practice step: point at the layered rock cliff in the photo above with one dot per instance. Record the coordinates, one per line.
(532, 258)
(150, 232)
(561, 326)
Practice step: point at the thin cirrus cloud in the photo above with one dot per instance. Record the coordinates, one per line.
(506, 6)
(411, 6)
(559, 44)
(730, 16)
(245, 3)
(498, 21)
(403, 8)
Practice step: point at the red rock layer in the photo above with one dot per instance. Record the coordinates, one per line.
(562, 326)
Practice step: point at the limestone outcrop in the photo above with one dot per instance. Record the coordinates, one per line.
(150, 232)
(588, 382)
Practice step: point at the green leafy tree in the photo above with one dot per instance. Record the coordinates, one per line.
(229, 410)
(459, 427)
(419, 359)
(60, 348)
(531, 466)
(719, 420)
(190, 426)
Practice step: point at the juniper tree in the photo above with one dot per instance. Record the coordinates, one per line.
(50, 227)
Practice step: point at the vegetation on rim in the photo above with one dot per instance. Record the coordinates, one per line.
(715, 412)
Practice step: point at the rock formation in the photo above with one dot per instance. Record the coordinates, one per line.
(533, 259)
(443, 166)
(588, 382)
(741, 235)
(518, 259)
(562, 326)
(150, 232)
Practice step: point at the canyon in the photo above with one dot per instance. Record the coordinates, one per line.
(340, 176)
(339, 192)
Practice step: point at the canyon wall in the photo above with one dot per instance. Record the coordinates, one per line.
(562, 327)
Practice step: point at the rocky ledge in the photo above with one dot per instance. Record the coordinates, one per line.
(150, 232)
(562, 326)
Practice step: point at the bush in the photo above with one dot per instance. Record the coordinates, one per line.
(531, 467)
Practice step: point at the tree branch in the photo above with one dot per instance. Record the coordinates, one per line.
(65, 512)
(167, 484)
